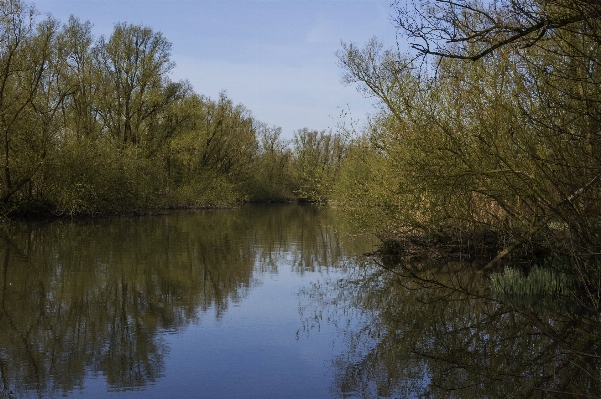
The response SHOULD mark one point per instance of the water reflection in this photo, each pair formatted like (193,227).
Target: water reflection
(98,297)
(437,331)
(93,298)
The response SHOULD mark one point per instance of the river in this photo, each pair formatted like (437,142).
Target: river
(275,301)
(189,304)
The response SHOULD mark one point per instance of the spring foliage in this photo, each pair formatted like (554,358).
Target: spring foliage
(492,125)
(94,125)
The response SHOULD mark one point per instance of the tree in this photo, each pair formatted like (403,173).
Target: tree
(211,160)
(317,157)
(272,177)
(32,91)
(135,89)
(471,29)
(80,113)
(519,155)
(553,47)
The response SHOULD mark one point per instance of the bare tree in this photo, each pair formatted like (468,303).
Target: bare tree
(471,29)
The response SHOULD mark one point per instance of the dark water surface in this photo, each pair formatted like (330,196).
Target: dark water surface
(186,305)
(277,301)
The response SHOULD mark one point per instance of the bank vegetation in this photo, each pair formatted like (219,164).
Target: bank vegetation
(95,125)
(488,134)
(486,140)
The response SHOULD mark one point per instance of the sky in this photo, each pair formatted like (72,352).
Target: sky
(276,57)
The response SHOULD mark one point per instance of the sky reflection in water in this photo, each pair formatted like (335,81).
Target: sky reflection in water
(193,304)
(268,301)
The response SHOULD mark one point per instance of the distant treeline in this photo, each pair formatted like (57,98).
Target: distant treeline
(94,125)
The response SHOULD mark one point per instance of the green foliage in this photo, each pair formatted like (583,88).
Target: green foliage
(207,189)
(539,281)
(517,155)
(32,91)
(365,186)
(92,126)
(317,159)
(212,157)
(83,180)
(271,178)
(134,89)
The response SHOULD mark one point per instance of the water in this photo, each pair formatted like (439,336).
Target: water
(274,301)
(187,305)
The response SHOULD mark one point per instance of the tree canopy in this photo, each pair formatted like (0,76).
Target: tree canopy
(96,125)
(491,125)
(471,29)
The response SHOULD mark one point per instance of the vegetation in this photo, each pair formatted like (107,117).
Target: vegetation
(485,150)
(432,330)
(95,125)
(489,131)
(487,136)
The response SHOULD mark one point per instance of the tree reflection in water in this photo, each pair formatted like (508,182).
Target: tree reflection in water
(92,298)
(438,331)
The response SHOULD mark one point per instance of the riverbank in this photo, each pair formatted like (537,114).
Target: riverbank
(40,214)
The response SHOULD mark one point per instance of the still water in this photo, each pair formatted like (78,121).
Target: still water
(278,301)
(191,304)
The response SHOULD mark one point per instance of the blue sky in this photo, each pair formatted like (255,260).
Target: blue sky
(276,57)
